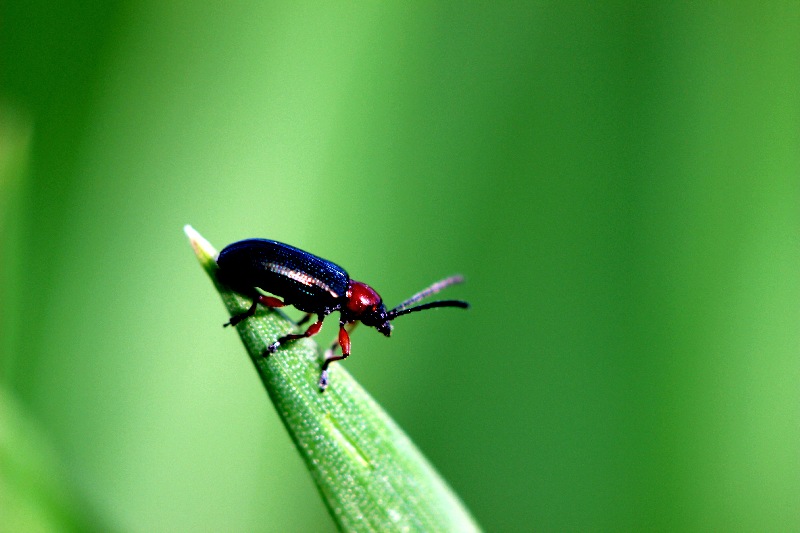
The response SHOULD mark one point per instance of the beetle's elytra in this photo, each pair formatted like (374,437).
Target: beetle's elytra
(315,286)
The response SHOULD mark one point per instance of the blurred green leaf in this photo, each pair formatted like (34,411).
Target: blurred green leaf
(34,495)
(15,140)
(370,475)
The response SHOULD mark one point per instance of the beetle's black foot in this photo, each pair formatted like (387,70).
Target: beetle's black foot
(272,348)
(235,319)
(323,381)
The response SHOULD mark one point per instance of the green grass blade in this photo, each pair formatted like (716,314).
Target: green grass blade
(370,475)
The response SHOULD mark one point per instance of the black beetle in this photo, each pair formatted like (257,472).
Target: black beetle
(316,286)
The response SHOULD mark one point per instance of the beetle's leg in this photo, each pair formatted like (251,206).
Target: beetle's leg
(313,329)
(235,319)
(344,342)
(330,351)
(266,301)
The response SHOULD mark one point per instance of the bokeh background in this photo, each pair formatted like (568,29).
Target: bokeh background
(619,182)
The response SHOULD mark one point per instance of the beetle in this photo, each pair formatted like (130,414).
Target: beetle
(315,286)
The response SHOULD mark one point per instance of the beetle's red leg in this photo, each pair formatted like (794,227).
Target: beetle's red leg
(344,342)
(313,329)
(269,301)
(266,301)
(330,351)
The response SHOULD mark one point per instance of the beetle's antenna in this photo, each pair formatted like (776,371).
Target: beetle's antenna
(404,309)
(433,289)
(394,313)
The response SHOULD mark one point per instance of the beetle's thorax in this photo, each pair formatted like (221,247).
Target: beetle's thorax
(366,305)
(361,299)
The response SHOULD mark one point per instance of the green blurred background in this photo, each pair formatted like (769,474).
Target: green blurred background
(619,183)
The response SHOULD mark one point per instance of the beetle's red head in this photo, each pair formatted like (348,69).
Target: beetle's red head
(366,305)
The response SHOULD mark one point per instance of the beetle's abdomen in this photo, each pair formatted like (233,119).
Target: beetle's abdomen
(308,282)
